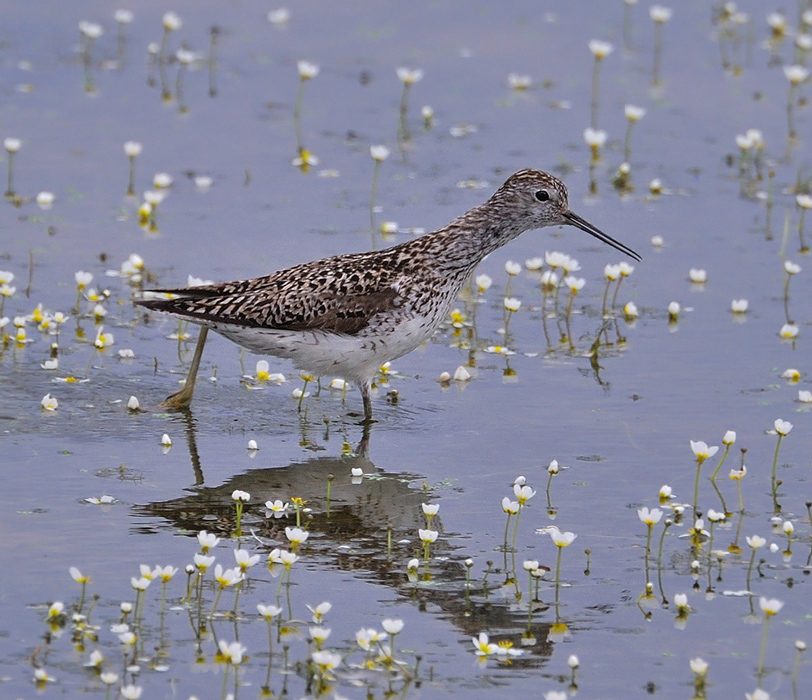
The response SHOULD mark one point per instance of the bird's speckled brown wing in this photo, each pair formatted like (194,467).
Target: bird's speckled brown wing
(342,297)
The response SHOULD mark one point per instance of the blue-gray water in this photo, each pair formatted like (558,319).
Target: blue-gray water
(619,433)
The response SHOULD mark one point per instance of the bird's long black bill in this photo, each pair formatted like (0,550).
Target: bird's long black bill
(584,225)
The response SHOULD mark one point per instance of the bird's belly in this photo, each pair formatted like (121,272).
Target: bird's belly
(356,357)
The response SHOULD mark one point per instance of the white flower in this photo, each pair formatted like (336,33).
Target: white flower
(483,646)
(171,22)
(166,441)
(510,507)
(701,449)
(804,42)
(697,275)
(392,626)
(595,138)
(782,427)
(796,74)
(109,677)
(45,200)
(611,272)
(207,540)
(203,562)
(307,70)
(240,496)
(279,16)
(483,283)
(739,306)
(427,536)
(132,148)
(186,57)
(666,491)
(379,153)
(512,268)
(245,560)
(649,517)
(296,535)
(791,374)
(123,16)
(788,331)
(277,508)
(576,284)
(633,113)
(409,76)
(430,508)
(600,49)
(233,652)
(320,634)
(553,467)
(12,145)
(203,182)
(673,309)
(757,694)
(791,267)
(461,374)
(559,694)
(49,403)
(756,542)
(660,14)
(561,539)
(788,527)
(770,606)
(657,241)
(534,264)
(131,692)
(268,611)
(90,29)
(519,82)
(572,661)
(132,404)
(83,279)
(804,201)
(699,666)
(326,660)
(523,493)
(681,600)
(804,396)
(161,181)
(630,310)
(512,304)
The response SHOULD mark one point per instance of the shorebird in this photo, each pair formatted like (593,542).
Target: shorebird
(347,315)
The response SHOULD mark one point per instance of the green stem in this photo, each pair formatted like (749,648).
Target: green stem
(750,568)
(721,462)
(775,463)
(557,576)
(699,461)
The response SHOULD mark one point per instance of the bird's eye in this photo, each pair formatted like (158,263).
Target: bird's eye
(542,195)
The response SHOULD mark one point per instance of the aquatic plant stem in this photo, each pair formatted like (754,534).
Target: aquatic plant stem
(721,462)
(763,651)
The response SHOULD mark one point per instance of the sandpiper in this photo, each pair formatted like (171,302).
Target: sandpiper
(347,315)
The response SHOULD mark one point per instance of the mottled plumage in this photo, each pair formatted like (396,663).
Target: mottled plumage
(349,314)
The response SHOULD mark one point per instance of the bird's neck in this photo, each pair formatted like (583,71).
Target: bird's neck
(467,240)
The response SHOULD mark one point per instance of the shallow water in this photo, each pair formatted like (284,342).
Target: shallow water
(619,432)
